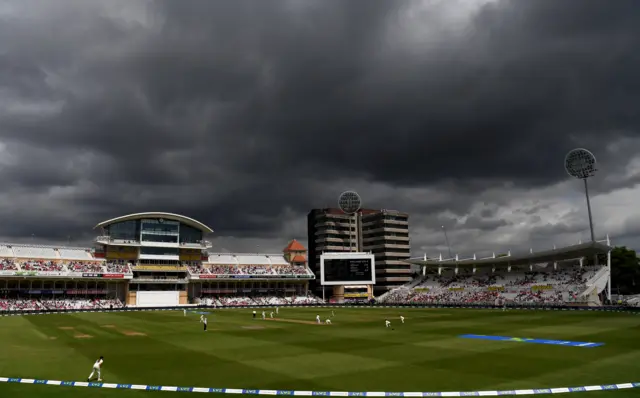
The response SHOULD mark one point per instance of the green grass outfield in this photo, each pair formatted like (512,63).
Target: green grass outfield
(356,353)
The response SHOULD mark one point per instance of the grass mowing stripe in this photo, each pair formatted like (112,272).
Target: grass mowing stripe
(350,355)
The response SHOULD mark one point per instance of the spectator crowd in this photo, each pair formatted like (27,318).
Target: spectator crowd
(19,304)
(250,270)
(62,266)
(542,286)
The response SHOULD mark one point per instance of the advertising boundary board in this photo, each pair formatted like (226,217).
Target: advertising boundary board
(240,391)
(619,309)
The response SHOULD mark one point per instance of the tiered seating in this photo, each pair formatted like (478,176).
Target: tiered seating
(42,266)
(43,252)
(291,270)
(254,270)
(8,265)
(197,270)
(236,301)
(118,268)
(79,266)
(252,264)
(561,285)
(20,305)
(270,300)
(62,303)
(305,300)
(80,304)
(232,301)
(62,266)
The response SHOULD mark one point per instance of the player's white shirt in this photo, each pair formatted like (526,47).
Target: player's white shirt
(98,364)
(387,323)
(204,321)
(328,321)
(318,318)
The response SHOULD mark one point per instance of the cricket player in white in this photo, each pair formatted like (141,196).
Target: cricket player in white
(277,311)
(185,312)
(201,318)
(332,314)
(264,315)
(205,324)
(387,323)
(271,314)
(401,319)
(328,321)
(318,318)
(96,369)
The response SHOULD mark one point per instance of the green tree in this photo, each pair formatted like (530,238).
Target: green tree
(625,271)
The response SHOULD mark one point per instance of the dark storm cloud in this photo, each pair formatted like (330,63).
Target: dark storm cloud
(238,112)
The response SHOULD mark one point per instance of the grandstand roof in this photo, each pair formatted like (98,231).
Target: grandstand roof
(246,259)
(560,254)
(169,216)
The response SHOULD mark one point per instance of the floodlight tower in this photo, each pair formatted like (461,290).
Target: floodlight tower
(581,164)
(446,239)
(349,202)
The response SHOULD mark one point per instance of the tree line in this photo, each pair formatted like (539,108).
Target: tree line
(625,271)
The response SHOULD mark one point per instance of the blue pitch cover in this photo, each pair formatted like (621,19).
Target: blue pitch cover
(533,341)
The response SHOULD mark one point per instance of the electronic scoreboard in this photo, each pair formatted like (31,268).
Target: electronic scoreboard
(347,269)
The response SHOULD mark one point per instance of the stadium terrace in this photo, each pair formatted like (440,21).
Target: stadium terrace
(147,260)
(573,275)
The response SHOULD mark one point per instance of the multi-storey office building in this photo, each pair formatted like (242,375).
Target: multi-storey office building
(385,233)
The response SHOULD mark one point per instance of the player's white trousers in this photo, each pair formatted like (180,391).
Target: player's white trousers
(95,370)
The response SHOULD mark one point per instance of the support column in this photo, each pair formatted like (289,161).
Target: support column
(338,294)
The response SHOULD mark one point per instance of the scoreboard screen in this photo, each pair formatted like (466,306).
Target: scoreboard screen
(348,269)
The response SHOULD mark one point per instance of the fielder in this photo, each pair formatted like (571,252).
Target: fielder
(205,324)
(264,315)
(328,321)
(401,319)
(201,318)
(277,311)
(271,314)
(318,319)
(185,312)
(387,323)
(96,369)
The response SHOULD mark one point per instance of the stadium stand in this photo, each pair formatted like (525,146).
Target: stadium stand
(248,264)
(235,301)
(565,281)
(63,303)
(8,265)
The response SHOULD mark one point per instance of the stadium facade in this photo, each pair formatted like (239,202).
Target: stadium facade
(151,259)
(384,233)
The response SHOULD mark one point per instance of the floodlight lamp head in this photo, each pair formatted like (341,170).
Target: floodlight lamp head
(580,163)
(349,202)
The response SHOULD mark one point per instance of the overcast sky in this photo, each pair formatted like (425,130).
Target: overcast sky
(246,114)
